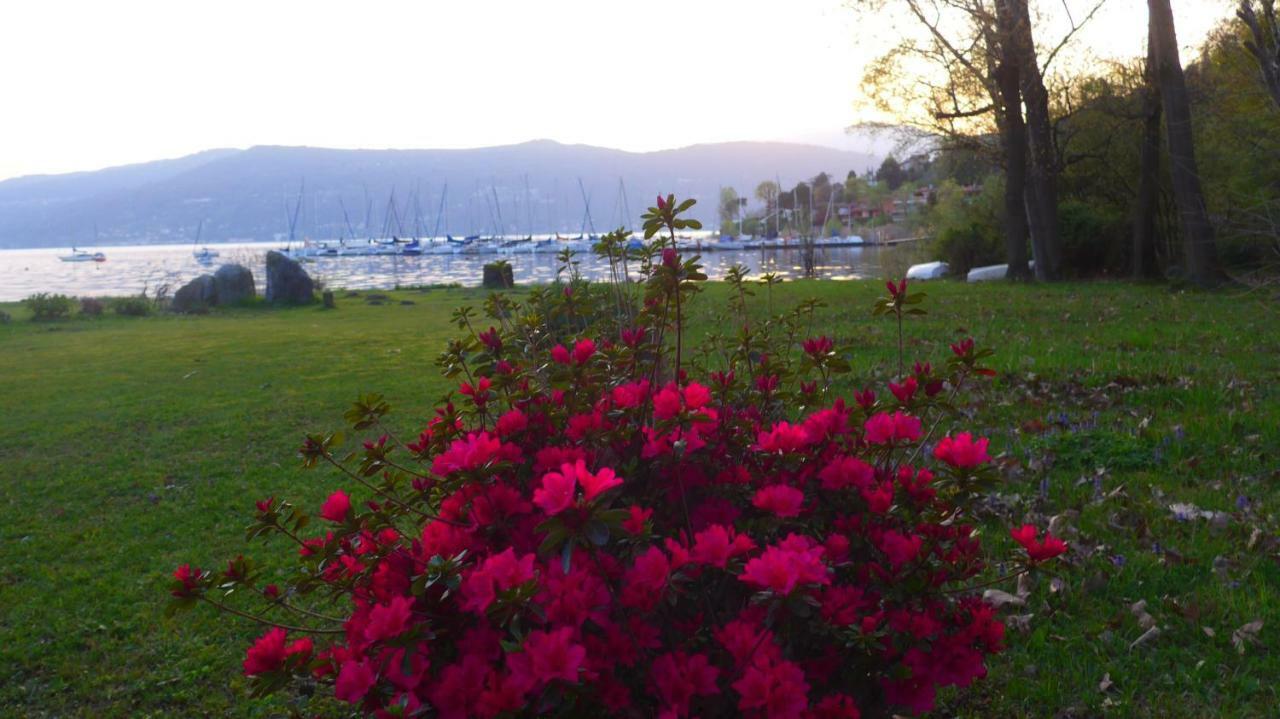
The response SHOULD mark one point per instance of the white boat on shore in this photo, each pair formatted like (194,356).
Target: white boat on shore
(991,273)
(928,271)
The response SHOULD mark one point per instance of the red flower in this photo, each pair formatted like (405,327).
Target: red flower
(511,422)
(897,291)
(492,340)
(264,505)
(905,391)
(336,507)
(266,654)
(583,351)
(1039,551)
(670,258)
(818,346)
(634,523)
(777,689)
(885,428)
(716,545)
(354,681)
(678,677)
(962,451)
(662,204)
(553,655)
(783,437)
(497,573)
(631,394)
(387,621)
(479,393)
(556,493)
(464,455)
(844,472)
(780,499)
(645,582)
(559,354)
(190,579)
(900,549)
(782,570)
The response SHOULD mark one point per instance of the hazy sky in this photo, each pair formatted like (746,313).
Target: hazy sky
(90,83)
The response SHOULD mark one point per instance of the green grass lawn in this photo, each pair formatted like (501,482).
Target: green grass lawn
(128,446)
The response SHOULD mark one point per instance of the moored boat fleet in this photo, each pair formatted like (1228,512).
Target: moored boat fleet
(477,245)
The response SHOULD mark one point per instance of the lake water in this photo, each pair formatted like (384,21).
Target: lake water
(131,269)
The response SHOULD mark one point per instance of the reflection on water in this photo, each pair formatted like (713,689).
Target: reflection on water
(130,270)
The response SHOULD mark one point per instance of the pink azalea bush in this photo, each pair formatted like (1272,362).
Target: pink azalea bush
(601,522)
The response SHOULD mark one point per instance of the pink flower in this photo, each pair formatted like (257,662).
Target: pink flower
(387,621)
(553,655)
(464,455)
(885,428)
(678,677)
(354,681)
(583,351)
(511,422)
(644,584)
(556,493)
(900,549)
(1038,551)
(637,516)
(631,394)
(905,391)
(336,507)
(962,451)
(818,346)
(782,570)
(778,690)
(497,573)
(266,654)
(834,706)
(593,485)
(843,472)
(557,490)
(666,403)
(716,545)
(783,437)
(559,354)
(779,499)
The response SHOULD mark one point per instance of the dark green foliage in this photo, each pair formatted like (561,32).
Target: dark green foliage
(45,306)
(1095,239)
(91,306)
(132,306)
(969,246)
(498,276)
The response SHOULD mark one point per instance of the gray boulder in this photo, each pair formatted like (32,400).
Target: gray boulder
(232,284)
(286,280)
(195,296)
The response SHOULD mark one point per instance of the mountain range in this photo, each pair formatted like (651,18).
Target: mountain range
(257,193)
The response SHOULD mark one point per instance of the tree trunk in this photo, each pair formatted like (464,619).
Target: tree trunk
(1145,207)
(1198,243)
(1042,195)
(1013,138)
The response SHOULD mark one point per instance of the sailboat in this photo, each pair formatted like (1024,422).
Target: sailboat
(204,255)
(83,256)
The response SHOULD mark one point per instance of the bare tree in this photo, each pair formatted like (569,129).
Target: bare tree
(1199,247)
(1265,43)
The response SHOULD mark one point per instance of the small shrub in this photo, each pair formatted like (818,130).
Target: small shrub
(91,306)
(45,306)
(586,530)
(132,306)
(5,318)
